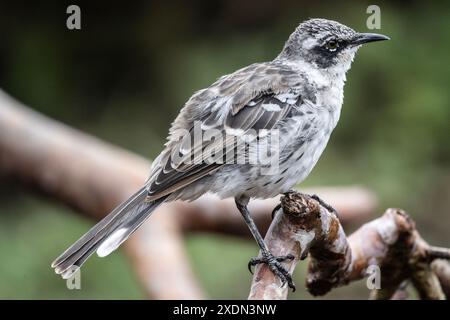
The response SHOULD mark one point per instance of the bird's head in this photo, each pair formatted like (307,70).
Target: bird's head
(326,44)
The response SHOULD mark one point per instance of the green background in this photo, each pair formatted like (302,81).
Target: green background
(125,75)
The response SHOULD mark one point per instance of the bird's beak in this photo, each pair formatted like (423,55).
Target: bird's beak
(362,38)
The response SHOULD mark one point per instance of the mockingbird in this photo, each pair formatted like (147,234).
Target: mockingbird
(296,98)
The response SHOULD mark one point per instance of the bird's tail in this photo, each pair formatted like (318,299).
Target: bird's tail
(108,234)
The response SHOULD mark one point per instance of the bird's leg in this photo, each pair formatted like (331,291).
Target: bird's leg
(267,257)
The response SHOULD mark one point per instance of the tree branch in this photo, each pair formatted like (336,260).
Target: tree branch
(92,177)
(355,204)
(442,270)
(390,244)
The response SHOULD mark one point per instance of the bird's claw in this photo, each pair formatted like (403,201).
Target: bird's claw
(289,192)
(313,196)
(277,207)
(325,205)
(274,264)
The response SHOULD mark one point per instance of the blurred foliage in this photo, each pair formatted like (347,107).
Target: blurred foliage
(126,74)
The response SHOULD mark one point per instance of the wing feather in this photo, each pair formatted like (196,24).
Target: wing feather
(257,97)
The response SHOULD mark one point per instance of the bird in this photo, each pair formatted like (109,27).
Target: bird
(270,122)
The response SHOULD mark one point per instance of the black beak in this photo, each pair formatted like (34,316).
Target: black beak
(362,38)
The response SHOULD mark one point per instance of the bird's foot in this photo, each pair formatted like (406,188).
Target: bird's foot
(277,207)
(313,196)
(289,192)
(274,264)
(325,205)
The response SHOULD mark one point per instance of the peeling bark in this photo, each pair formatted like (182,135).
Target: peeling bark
(391,243)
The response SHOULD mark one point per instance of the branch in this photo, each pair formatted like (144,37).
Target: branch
(442,270)
(390,243)
(92,177)
(355,204)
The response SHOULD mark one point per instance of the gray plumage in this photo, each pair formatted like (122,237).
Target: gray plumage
(299,94)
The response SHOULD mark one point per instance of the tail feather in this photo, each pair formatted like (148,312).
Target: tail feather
(120,234)
(138,197)
(107,234)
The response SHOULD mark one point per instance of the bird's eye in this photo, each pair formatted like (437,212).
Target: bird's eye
(332,45)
